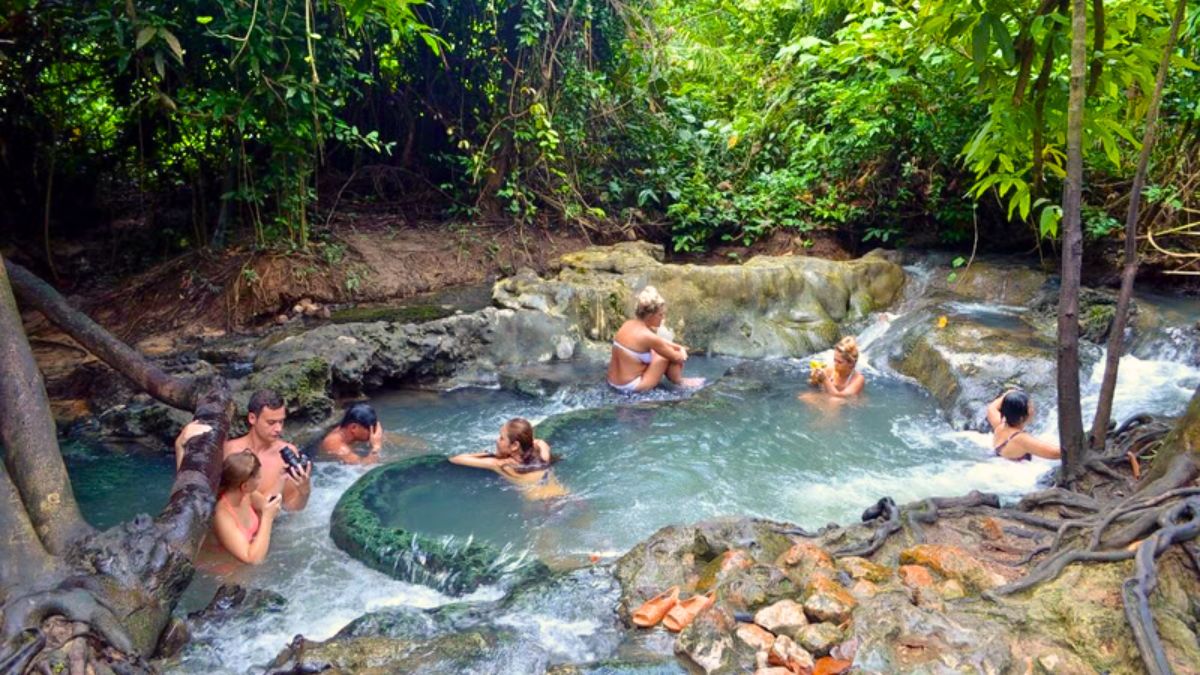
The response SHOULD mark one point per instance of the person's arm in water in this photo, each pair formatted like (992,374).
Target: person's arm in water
(1038,447)
(297,485)
(233,538)
(543,449)
(853,388)
(376,439)
(189,430)
(479,460)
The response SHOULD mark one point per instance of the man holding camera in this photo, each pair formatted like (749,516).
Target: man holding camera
(284,470)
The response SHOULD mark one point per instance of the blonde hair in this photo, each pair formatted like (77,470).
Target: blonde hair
(649,303)
(847,347)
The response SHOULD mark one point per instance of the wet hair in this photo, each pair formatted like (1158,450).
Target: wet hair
(521,431)
(237,469)
(361,414)
(649,303)
(847,347)
(264,398)
(1014,408)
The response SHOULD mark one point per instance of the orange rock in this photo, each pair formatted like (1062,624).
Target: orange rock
(915,576)
(826,600)
(755,636)
(953,562)
(830,666)
(991,529)
(774,670)
(804,553)
(785,652)
(785,616)
(861,568)
(736,559)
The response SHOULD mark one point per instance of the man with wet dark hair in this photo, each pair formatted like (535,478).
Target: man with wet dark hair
(359,424)
(265,414)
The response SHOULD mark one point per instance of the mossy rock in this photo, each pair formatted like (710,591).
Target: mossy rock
(403,314)
(304,386)
(450,566)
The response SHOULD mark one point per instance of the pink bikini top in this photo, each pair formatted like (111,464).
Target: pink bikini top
(248,531)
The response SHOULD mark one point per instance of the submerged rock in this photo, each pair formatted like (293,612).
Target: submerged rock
(769,306)
(450,566)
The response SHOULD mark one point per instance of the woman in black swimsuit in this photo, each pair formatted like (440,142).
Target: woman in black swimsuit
(1008,415)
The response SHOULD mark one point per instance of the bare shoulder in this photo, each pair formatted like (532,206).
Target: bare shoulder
(543,449)
(238,444)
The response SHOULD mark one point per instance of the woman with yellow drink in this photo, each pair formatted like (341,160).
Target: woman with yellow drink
(839,380)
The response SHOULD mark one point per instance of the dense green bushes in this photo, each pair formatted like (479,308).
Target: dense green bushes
(724,121)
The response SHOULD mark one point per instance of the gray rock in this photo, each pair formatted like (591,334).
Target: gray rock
(769,306)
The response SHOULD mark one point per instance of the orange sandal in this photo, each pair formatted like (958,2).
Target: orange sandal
(653,610)
(685,612)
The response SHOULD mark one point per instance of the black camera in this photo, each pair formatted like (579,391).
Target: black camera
(295,461)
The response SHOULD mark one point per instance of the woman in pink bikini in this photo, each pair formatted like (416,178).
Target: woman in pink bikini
(640,357)
(243,518)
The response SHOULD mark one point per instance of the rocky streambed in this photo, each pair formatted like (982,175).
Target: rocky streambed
(784,599)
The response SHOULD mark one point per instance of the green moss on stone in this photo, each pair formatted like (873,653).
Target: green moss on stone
(453,567)
(404,314)
(304,386)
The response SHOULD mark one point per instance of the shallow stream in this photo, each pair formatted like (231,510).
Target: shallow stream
(743,445)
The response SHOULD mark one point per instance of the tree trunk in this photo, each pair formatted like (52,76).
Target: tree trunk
(1070,416)
(100,603)
(1184,439)
(39,295)
(30,438)
(1116,336)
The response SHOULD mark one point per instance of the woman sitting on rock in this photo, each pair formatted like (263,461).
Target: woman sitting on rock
(640,357)
(1008,415)
(840,379)
(520,458)
(243,518)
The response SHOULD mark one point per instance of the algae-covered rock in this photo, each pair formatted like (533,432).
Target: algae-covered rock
(818,638)
(709,642)
(769,306)
(450,566)
(475,651)
(303,384)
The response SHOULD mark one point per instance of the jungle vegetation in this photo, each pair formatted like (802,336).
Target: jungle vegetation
(705,121)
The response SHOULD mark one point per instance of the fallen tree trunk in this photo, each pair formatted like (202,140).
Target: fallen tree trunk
(37,294)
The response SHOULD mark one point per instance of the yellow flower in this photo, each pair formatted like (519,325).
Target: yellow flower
(942,321)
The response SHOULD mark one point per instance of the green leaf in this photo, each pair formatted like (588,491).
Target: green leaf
(204,20)
(172,42)
(1048,221)
(1003,39)
(979,44)
(145,35)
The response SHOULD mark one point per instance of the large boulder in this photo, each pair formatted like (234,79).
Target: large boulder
(350,358)
(769,306)
(966,356)
(448,565)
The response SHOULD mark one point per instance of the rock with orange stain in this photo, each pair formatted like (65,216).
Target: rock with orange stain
(774,670)
(915,576)
(785,652)
(861,568)
(827,600)
(756,636)
(785,617)
(863,589)
(990,528)
(806,556)
(953,562)
(830,666)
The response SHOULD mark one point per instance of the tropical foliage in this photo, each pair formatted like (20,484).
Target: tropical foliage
(716,120)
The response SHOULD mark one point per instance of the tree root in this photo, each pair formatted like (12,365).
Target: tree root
(885,508)
(934,508)
(25,615)
(1179,523)
(1058,496)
